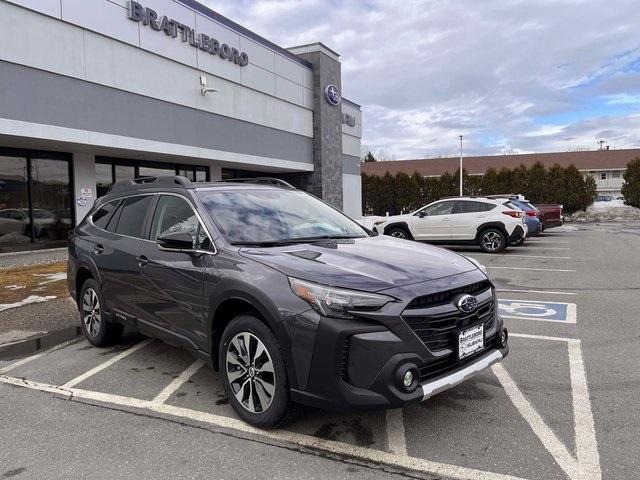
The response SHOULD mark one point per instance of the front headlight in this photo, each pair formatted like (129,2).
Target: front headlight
(336,302)
(480,266)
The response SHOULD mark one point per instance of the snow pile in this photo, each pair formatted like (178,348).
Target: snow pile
(613,211)
(368,222)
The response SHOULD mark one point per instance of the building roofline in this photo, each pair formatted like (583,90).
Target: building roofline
(213,15)
(351,103)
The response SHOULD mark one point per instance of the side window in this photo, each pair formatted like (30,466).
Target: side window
(131,219)
(102,216)
(442,208)
(174,214)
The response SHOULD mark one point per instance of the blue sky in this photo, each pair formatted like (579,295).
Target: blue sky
(510,75)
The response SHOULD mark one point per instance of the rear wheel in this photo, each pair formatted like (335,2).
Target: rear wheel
(98,331)
(492,240)
(254,373)
(399,232)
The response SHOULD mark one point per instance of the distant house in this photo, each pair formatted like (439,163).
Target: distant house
(605,166)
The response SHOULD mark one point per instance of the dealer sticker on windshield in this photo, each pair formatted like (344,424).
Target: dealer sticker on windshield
(470,341)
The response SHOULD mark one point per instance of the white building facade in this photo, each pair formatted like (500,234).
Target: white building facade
(95,91)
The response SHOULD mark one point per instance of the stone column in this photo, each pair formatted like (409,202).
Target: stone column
(326,179)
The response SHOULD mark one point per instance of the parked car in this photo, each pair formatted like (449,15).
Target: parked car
(604,198)
(290,299)
(460,220)
(534,224)
(551,215)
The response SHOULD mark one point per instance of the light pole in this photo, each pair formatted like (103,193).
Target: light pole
(460,136)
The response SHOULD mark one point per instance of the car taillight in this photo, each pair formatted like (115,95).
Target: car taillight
(513,213)
(532,213)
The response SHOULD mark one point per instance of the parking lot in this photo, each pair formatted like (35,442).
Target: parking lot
(564,404)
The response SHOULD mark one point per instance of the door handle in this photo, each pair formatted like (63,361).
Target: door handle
(142,260)
(98,249)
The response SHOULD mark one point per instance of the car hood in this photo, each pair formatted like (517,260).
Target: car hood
(370,264)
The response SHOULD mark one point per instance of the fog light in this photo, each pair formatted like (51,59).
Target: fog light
(504,336)
(407,379)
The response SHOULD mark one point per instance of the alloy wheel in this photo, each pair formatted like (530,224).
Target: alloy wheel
(250,372)
(492,241)
(91,315)
(398,234)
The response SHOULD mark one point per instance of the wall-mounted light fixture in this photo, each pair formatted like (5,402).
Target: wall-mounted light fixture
(203,84)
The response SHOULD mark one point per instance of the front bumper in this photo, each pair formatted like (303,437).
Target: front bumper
(358,364)
(519,232)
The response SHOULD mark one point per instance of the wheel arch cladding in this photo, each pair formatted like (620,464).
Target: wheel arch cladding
(403,225)
(229,308)
(83,274)
(499,225)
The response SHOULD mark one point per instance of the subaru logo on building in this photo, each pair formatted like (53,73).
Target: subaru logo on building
(332,94)
(467,303)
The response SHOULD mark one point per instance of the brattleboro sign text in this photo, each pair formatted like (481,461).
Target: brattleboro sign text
(173,28)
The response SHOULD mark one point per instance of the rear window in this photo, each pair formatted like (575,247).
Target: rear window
(102,216)
(473,207)
(134,211)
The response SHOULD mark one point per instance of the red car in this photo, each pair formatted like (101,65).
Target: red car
(551,215)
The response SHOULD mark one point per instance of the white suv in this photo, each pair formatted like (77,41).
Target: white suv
(488,222)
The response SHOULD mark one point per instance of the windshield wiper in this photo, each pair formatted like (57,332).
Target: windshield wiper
(292,241)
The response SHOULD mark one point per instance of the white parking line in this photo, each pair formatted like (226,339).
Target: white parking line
(22,361)
(396,441)
(363,454)
(106,364)
(546,248)
(517,290)
(531,269)
(586,464)
(164,395)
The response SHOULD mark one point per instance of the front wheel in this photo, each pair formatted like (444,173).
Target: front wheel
(399,232)
(254,374)
(492,240)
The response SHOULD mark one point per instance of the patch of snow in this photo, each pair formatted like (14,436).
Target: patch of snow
(51,277)
(368,221)
(14,287)
(26,301)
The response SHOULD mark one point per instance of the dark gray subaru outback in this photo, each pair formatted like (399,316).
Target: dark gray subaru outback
(290,299)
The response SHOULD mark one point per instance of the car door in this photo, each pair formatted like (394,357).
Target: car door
(433,222)
(114,252)
(467,216)
(170,290)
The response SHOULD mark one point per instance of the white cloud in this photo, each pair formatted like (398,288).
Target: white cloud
(496,71)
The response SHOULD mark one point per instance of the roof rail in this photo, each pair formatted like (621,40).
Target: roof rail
(262,181)
(159,181)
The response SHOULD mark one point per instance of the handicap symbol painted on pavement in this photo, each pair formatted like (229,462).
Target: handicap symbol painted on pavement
(536,310)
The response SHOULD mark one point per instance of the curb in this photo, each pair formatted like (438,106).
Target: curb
(31,345)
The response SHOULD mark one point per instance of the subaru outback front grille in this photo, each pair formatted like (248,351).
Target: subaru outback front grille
(440,331)
(442,298)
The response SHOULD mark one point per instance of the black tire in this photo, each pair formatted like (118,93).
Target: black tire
(98,331)
(518,242)
(399,232)
(492,240)
(247,386)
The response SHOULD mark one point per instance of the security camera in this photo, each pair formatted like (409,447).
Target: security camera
(204,90)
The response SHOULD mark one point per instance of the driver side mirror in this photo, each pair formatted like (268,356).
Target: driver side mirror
(175,241)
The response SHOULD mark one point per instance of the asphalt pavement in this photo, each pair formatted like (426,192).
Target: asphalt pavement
(563,405)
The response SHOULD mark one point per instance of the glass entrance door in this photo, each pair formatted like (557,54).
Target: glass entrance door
(35,199)
(15,225)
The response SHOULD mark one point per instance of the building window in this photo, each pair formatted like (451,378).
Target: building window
(111,170)
(603,175)
(36,204)
(616,174)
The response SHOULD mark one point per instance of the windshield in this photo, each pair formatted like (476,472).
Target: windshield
(276,216)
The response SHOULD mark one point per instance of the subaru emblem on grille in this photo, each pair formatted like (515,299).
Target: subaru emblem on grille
(467,303)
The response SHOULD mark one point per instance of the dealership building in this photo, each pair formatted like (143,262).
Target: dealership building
(95,91)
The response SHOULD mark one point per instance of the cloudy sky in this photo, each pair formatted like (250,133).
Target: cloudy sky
(510,75)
